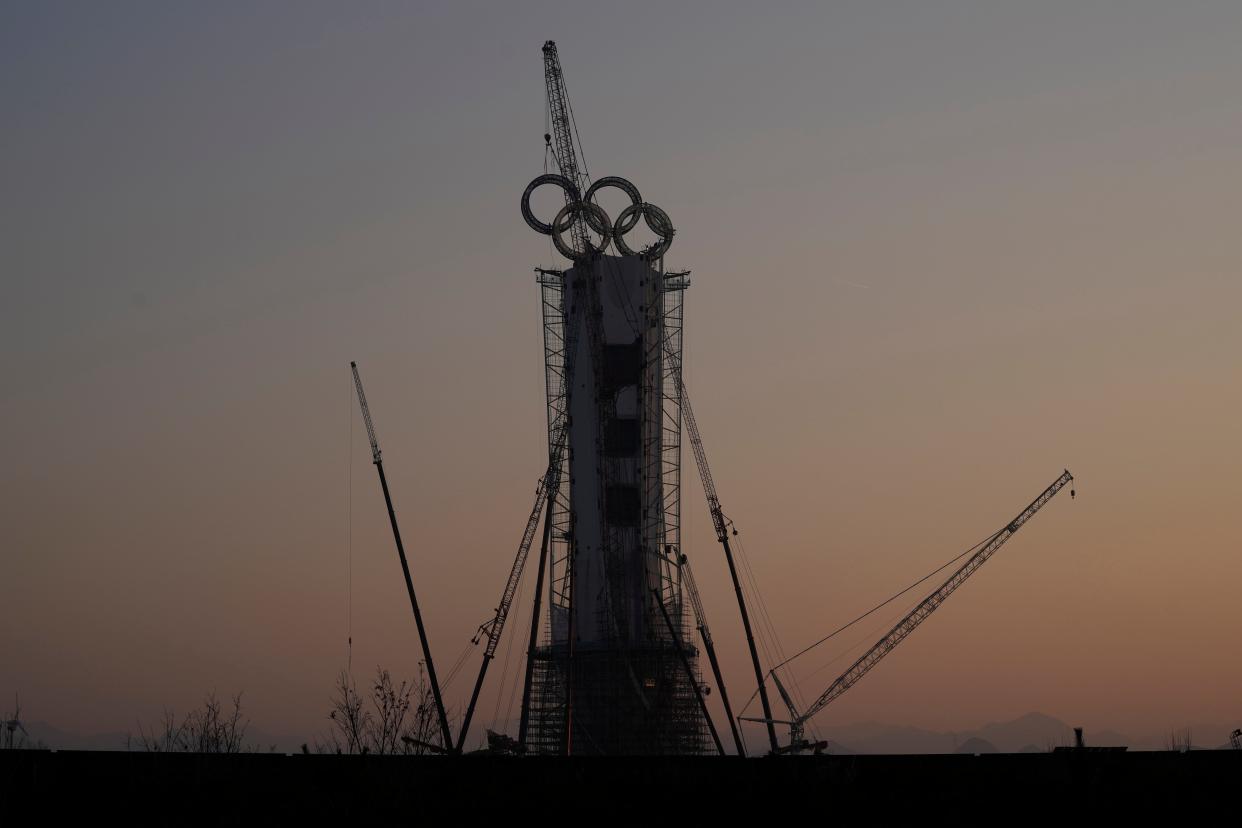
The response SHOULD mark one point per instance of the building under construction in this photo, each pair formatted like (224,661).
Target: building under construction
(610,673)
(613,671)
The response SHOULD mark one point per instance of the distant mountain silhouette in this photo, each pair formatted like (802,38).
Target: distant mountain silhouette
(1032,729)
(1031,733)
(874,737)
(976,745)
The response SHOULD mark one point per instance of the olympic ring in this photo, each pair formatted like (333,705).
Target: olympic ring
(585,210)
(621,184)
(657,221)
(571,192)
(594,217)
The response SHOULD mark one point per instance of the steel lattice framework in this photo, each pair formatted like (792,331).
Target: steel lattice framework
(663,717)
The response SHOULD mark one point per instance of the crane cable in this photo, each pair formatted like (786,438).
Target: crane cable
(457,665)
(864,638)
(547,151)
(873,610)
(889,600)
(505,662)
(765,621)
(586,171)
(511,697)
(349,533)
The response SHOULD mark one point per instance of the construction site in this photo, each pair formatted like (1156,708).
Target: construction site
(619,679)
(619,658)
(619,632)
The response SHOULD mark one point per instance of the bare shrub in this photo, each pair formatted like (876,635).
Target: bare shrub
(386,722)
(209,729)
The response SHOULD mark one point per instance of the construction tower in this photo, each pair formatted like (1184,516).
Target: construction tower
(611,669)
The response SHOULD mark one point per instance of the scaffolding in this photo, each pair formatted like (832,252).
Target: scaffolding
(555,361)
(628,701)
(624,695)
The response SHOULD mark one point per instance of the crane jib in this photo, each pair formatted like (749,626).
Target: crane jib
(928,605)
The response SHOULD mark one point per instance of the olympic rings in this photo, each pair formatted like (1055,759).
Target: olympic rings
(585,210)
(571,192)
(657,221)
(594,217)
(622,185)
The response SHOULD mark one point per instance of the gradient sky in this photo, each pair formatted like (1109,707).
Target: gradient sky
(940,251)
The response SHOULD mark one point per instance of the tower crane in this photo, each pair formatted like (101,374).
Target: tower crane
(563,129)
(917,616)
(721,524)
(563,135)
(405,567)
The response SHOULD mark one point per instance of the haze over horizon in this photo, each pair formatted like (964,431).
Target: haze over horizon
(940,252)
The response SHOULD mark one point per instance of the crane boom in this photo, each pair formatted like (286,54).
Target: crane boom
(675,638)
(722,535)
(705,471)
(405,566)
(494,627)
(700,617)
(562,125)
(561,117)
(926,607)
(366,415)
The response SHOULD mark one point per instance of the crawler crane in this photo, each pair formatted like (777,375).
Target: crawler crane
(721,525)
(377,459)
(907,625)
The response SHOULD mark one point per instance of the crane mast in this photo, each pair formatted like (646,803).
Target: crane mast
(919,614)
(722,535)
(405,567)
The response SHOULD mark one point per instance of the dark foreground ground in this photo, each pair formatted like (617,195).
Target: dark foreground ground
(278,789)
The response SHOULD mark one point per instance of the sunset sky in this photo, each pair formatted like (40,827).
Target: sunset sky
(939,252)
